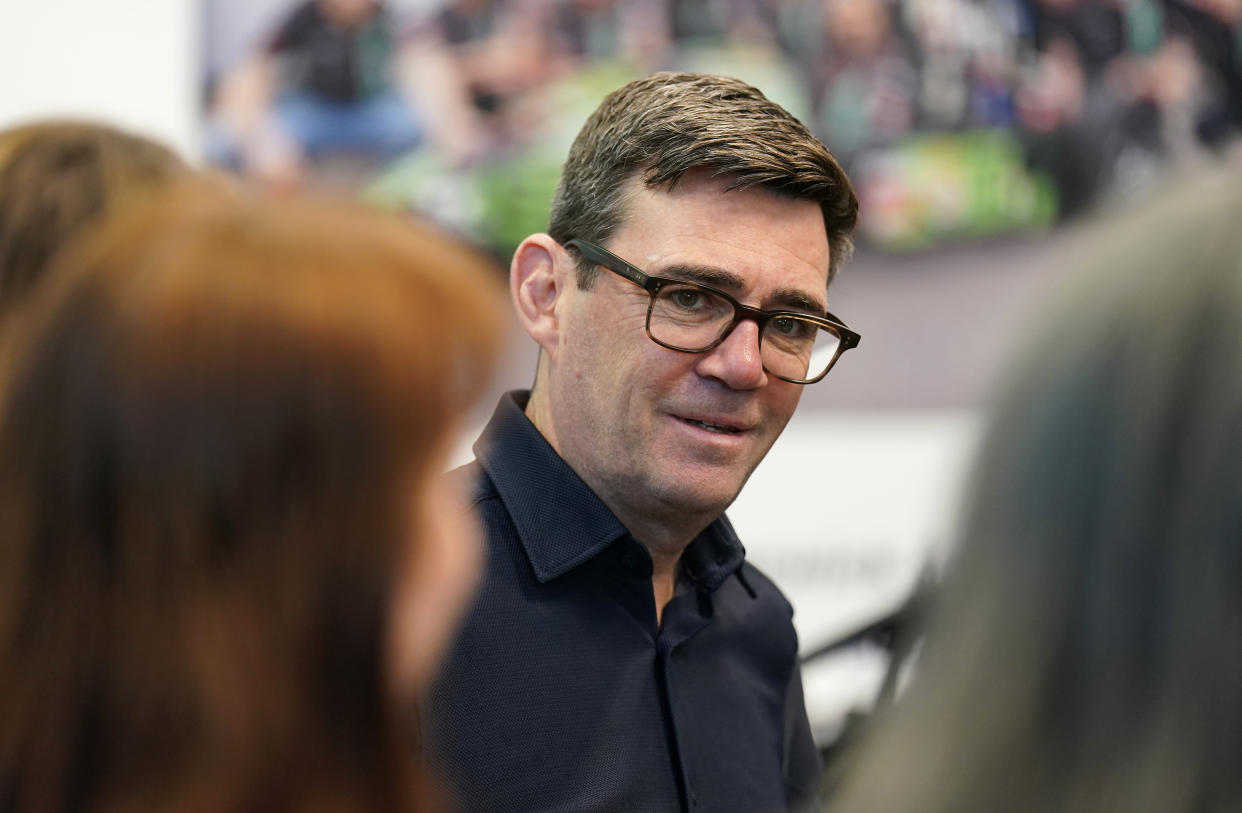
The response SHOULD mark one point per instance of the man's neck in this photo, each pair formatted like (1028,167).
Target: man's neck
(664,568)
(665,543)
(664,531)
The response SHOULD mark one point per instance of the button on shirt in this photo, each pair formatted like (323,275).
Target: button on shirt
(564,694)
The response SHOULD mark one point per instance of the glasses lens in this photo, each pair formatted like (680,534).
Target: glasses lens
(798,348)
(688,317)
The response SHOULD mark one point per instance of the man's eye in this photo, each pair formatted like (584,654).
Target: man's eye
(688,298)
(785,325)
(792,328)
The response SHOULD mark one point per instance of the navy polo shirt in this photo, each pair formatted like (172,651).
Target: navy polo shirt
(563,694)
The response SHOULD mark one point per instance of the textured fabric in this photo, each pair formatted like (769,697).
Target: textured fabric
(562,694)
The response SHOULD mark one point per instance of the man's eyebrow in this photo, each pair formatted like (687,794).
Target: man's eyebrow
(795,300)
(727,281)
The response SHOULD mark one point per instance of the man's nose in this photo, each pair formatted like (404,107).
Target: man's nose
(736,361)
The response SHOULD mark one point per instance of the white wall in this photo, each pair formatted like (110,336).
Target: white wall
(844,514)
(133,63)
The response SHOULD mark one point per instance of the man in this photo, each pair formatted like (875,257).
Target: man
(622,655)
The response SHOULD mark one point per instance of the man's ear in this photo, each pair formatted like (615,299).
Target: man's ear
(539,278)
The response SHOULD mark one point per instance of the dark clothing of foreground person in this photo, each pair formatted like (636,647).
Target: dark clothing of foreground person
(1085,651)
(565,671)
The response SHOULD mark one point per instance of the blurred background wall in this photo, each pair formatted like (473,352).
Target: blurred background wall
(132,62)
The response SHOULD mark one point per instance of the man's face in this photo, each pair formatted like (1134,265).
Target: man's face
(654,431)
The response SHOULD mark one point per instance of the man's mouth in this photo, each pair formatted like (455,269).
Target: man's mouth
(712,427)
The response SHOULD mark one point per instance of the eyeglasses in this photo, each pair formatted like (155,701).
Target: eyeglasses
(693,318)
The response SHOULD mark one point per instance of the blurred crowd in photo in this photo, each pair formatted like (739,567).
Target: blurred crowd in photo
(955,118)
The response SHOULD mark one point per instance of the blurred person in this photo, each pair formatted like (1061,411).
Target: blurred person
(1083,656)
(336,77)
(693,23)
(864,85)
(229,563)
(1213,29)
(623,654)
(966,61)
(1094,95)
(501,50)
(593,31)
(513,55)
(58,177)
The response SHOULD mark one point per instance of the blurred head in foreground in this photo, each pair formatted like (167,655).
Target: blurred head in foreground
(228,563)
(1087,653)
(56,178)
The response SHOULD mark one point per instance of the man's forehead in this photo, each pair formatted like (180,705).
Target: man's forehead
(703,196)
(711,232)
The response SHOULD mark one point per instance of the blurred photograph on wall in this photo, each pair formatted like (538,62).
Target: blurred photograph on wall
(957,119)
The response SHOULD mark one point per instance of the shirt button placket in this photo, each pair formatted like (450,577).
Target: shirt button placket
(664,655)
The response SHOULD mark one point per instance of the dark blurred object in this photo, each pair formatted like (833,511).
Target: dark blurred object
(1117,96)
(1082,654)
(899,634)
(1076,108)
(1214,30)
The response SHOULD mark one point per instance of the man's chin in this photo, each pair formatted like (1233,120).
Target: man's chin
(691,496)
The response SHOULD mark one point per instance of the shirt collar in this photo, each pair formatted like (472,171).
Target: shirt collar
(559,519)
(714,555)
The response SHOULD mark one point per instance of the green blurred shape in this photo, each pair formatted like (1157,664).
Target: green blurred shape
(928,189)
(502,198)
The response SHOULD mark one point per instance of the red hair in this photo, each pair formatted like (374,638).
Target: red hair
(212,418)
